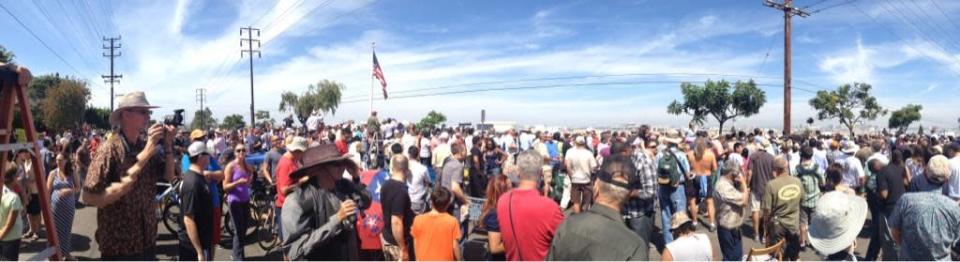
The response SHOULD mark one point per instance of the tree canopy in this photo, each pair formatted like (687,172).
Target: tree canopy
(263,118)
(5,55)
(65,104)
(203,119)
(849,104)
(901,119)
(97,117)
(324,96)
(720,100)
(232,122)
(431,120)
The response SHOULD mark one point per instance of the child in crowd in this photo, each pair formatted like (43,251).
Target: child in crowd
(436,234)
(11,226)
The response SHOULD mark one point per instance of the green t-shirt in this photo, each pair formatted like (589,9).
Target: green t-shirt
(782,197)
(10,202)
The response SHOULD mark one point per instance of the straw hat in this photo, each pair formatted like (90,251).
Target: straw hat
(129,101)
(678,220)
(836,222)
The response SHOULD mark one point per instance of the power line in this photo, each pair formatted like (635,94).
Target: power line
(908,44)
(38,39)
(927,18)
(935,4)
(46,17)
(900,15)
(513,81)
(281,15)
(535,87)
(315,8)
(832,6)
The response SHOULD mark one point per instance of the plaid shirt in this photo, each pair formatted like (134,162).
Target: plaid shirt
(645,180)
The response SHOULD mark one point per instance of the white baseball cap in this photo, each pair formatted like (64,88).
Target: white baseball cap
(197,148)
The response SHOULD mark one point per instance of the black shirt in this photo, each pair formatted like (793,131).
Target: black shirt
(196,200)
(891,179)
(396,202)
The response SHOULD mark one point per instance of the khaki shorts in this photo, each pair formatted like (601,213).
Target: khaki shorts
(391,252)
(754,203)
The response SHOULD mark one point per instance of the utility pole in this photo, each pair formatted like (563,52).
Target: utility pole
(202,97)
(112,78)
(788,12)
(249,53)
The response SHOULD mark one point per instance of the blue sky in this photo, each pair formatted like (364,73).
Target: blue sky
(605,62)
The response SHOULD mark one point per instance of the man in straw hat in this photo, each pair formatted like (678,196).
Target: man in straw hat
(671,162)
(835,223)
(318,216)
(122,178)
(926,224)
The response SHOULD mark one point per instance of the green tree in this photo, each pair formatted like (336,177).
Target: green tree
(433,119)
(263,117)
(203,119)
(97,117)
(324,96)
(901,119)
(849,104)
(233,122)
(5,55)
(64,105)
(720,100)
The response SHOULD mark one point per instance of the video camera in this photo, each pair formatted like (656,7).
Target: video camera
(352,190)
(176,119)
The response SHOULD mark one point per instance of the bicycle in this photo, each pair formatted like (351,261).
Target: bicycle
(262,199)
(168,205)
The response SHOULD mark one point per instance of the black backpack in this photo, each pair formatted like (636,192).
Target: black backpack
(669,171)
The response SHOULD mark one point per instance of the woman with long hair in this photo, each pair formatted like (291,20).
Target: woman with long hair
(703,164)
(492,158)
(497,186)
(236,183)
(64,185)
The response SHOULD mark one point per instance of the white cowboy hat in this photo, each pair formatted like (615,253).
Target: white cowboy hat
(129,101)
(836,222)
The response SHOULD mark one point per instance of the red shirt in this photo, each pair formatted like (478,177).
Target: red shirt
(342,146)
(285,167)
(534,219)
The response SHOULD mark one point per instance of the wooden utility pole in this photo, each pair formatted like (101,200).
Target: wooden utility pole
(249,53)
(788,12)
(112,78)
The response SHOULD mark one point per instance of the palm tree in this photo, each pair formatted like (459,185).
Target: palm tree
(5,55)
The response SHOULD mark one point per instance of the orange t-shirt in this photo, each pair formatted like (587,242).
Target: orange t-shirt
(704,166)
(434,235)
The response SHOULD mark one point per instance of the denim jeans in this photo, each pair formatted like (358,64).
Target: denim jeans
(643,226)
(731,245)
(239,214)
(672,200)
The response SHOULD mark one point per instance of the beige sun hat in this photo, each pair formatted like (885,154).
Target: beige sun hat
(129,101)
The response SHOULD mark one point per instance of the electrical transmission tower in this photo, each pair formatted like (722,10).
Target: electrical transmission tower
(788,12)
(201,98)
(250,51)
(114,53)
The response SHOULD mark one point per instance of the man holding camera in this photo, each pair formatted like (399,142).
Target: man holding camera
(318,216)
(122,177)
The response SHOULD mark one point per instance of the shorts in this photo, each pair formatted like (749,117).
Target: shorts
(805,214)
(754,202)
(698,188)
(791,247)
(391,252)
(33,207)
(581,194)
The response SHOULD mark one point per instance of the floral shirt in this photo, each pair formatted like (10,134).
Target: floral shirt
(129,225)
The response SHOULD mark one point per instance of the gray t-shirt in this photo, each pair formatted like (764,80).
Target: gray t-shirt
(452,173)
(761,165)
(271,158)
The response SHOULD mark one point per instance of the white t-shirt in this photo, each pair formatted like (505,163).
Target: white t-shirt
(582,163)
(407,141)
(853,172)
(417,185)
(694,247)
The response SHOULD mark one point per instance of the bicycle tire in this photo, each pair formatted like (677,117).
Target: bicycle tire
(267,237)
(171,216)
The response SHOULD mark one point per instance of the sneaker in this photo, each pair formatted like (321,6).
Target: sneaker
(711,227)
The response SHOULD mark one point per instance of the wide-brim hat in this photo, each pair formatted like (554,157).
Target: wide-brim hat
(671,136)
(319,155)
(679,219)
(129,101)
(836,222)
(850,148)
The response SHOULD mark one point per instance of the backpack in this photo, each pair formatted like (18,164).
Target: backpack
(669,171)
(810,181)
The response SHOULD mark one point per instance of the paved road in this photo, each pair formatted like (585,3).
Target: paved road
(85,248)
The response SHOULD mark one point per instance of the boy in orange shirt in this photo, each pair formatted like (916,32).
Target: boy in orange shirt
(436,234)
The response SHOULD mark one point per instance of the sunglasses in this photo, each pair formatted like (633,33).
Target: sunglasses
(142,112)
(241,150)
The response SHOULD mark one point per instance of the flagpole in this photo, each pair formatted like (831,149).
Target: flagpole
(373,45)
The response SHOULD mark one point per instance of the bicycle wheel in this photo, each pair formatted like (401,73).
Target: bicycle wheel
(171,217)
(267,236)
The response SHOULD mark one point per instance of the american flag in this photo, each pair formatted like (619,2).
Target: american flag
(378,73)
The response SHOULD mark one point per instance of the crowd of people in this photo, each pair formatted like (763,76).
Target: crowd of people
(389,190)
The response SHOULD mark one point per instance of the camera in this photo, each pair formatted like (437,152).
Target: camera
(357,192)
(176,119)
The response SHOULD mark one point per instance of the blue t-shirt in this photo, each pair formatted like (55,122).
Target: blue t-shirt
(490,222)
